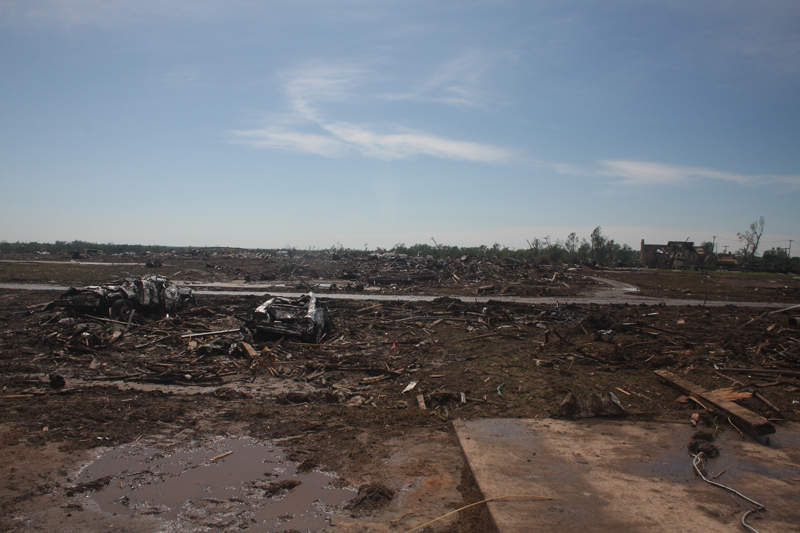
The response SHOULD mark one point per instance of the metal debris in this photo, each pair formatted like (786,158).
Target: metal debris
(305,318)
(153,294)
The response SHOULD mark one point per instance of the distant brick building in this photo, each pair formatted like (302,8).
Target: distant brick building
(675,254)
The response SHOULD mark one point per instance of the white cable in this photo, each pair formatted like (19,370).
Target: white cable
(697,460)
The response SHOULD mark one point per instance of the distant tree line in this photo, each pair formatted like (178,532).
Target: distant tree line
(573,249)
(778,259)
(63,247)
(544,250)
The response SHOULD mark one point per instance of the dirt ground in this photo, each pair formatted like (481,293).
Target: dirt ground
(714,286)
(339,406)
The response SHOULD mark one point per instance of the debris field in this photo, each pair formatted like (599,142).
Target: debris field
(351,386)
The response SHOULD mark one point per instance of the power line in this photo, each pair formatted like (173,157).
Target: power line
(779,240)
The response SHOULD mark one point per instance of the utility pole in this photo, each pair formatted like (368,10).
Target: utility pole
(790,248)
(714,245)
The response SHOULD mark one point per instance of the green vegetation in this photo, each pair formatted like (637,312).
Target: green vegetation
(63,247)
(572,250)
(777,259)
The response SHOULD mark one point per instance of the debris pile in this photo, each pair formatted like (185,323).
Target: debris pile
(150,294)
(378,349)
(304,318)
(401,274)
(590,405)
(703,442)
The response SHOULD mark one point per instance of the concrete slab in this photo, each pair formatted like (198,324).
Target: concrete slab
(628,476)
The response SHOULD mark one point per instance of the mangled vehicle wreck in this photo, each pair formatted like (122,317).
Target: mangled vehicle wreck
(305,318)
(149,294)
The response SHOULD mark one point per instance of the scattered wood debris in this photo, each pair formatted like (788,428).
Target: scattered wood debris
(744,417)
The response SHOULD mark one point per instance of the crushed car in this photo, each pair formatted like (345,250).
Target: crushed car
(149,294)
(305,318)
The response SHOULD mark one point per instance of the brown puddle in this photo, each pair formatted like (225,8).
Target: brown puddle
(252,489)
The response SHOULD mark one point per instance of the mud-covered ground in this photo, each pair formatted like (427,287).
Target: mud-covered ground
(347,405)
(713,285)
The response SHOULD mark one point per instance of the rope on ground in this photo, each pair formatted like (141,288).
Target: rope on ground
(520,497)
(697,463)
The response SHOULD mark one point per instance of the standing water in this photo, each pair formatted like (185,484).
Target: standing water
(239,483)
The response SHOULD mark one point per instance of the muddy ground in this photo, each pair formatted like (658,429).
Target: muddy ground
(339,406)
(713,286)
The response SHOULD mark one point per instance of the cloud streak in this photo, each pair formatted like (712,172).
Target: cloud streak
(292,141)
(409,144)
(643,173)
(343,139)
(458,81)
(316,91)
(306,130)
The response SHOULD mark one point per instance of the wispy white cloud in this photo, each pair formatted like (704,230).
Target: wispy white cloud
(650,173)
(345,139)
(457,81)
(316,91)
(305,129)
(292,141)
(404,145)
(315,85)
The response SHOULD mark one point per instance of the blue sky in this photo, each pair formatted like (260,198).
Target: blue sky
(312,123)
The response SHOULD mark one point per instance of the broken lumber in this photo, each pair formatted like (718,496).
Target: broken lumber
(220,456)
(764,399)
(730,333)
(732,394)
(249,350)
(421,402)
(785,309)
(478,337)
(744,417)
(207,333)
(768,371)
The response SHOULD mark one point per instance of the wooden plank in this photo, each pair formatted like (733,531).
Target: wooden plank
(744,417)
(251,352)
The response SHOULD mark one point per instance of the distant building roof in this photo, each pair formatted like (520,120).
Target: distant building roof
(727,259)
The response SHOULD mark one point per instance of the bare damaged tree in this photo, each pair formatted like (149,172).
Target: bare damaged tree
(571,244)
(536,246)
(751,238)
(599,242)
